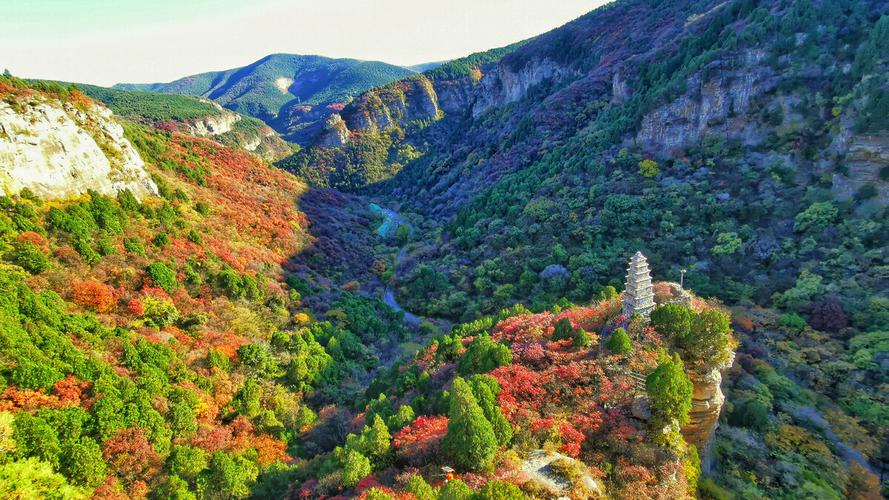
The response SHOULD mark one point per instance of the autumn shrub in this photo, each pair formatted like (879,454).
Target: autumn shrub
(419,443)
(570,470)
(94,295)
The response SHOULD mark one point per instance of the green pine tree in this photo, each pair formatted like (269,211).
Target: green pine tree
(470,441)
(485,389)
(563,329)
(669,390)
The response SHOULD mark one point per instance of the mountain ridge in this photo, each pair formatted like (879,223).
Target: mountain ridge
(290,92)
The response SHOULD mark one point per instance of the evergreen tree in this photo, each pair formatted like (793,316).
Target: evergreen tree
(82,462)
(470,441)
(455,490)
(355,468)
(483,355)
(710,338)
(485,389)
(563,329)
(669,390)
(420,488)
(619,343)
(581,338)
(499,490)
(672,321)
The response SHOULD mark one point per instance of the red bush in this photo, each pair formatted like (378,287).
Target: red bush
(130,455)
(418,443)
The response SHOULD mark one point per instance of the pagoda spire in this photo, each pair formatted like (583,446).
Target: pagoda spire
(638,294)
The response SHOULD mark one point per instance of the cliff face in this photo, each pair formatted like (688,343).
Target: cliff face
(706,404)
(57,150)
(379,110)
(420,98)
(504,85)
(214,124)
(715,105)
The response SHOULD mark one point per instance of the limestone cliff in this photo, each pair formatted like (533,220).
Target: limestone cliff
(711,105)
(235,130)
(211,125)
(396,105)
(504,85)
(706,404)
(57,149)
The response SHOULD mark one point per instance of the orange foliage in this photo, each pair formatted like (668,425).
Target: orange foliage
(35,238)
(13,398)
(130,455)
(70,391)
(93,295)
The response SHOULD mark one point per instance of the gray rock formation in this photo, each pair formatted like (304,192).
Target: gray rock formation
(718,104)
(58,150)
(503,85)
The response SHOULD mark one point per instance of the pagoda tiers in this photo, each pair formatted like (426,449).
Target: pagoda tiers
(638,295)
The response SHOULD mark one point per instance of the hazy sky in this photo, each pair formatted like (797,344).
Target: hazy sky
(109,41)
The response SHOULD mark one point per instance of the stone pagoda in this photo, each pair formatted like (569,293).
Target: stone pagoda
(638,295)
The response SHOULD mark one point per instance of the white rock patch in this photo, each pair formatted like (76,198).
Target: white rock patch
(54,150)
(283,83)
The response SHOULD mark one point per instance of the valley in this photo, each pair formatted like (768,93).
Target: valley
(329,278)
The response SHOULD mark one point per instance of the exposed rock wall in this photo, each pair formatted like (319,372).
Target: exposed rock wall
(503,85)
(866,157)
(57,150)
(418,99)
(217,124)
(706,404)
(405,101)
(717,104)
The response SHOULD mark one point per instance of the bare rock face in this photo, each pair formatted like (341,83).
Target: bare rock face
(718,104)
(405,101)
(217,124)
(335,133)
(503,85)
(706,403)
(867,156)
(57,150)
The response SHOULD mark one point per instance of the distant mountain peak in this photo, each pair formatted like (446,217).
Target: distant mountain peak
(270,87)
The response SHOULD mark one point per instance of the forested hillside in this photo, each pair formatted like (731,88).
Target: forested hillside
(743,141)
(292,93)
(181,319)
(192,115)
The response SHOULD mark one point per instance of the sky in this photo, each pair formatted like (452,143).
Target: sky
(109,41)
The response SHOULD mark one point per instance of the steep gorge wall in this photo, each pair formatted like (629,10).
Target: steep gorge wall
(420,98)
(56,150)
(706,404)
